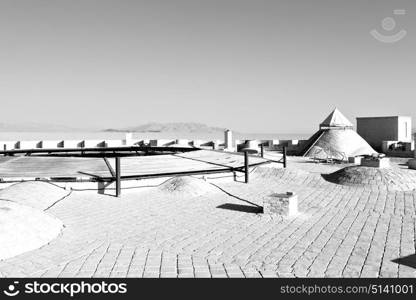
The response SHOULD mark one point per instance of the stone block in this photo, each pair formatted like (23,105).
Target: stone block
(204,144)
(281,204)
(93,143)
(128,140)
(412,164)
(161,142)
(381,162)
(273,143)
(182,143)
(386,145)
(7,145)
(217,144)
(113,143)
(251,146)
(197,143)
(355,160)
(27,144)
(72,143)
(409,146)
(48,144)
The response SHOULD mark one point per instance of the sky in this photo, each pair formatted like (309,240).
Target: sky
(252,66)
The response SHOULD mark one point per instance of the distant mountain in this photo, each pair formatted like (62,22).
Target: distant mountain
(35,127)
(170,127)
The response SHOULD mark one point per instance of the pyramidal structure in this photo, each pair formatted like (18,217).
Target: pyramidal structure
(336,139)
(336,119)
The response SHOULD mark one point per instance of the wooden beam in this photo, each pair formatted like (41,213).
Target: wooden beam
(100,150)
(110,168)
(284,157)
(117,177)
(246,166)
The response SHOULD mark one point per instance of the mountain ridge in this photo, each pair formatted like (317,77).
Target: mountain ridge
(36,127)
(169,127)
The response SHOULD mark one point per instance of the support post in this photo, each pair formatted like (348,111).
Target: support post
(246,166)
(118,176)
(262,150)
(284,157)
(110,168)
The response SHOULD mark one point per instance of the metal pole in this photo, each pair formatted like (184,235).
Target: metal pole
(262,150)
(284,157)
(246,168)
(118,181)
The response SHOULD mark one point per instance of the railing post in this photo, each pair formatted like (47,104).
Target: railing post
(246,166)
(118,177)
(284,157)
(262,150)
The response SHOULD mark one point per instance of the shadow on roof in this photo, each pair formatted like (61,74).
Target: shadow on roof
(241,208)
(409,261)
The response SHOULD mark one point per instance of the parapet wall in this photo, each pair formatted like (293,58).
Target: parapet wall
(291,145)
(398,149)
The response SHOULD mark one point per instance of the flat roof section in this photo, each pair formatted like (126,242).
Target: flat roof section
(386,117)
(132,167)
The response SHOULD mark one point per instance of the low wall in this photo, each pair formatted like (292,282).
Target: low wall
(161,142)
(48,144)
(404,154)
(292,145)
(398,149)
(71,144)
(114,143)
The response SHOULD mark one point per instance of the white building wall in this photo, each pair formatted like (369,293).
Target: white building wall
(405,129)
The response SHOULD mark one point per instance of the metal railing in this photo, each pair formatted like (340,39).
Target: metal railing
(100,152)
(118,152)
(283,161)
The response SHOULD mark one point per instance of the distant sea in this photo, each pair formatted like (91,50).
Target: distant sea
(100,135)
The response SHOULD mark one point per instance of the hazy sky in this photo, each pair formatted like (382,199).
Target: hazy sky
(254,66)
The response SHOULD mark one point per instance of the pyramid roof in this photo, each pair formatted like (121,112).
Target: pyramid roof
(337,139)
(336,119)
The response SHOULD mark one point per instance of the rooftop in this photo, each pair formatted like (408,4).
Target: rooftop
(383,117)
(161,228)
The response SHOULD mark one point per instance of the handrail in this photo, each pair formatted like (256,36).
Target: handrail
(99,150)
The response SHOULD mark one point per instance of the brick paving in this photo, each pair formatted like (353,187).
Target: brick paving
(342,231)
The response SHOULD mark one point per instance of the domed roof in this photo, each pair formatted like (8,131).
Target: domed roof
(336,139)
